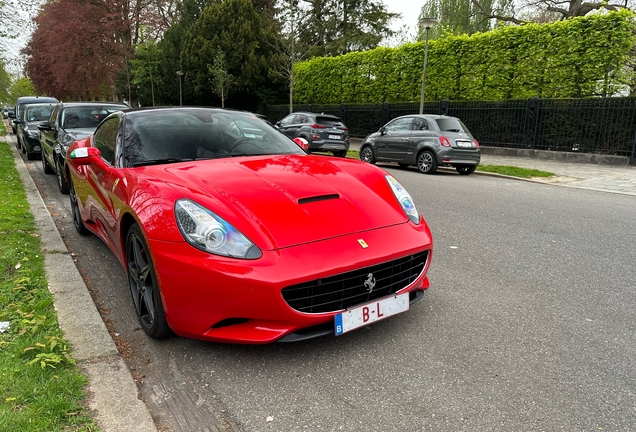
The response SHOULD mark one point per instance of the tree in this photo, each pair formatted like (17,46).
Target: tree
(145,69)
(5,84)
(245,38)
(463,16)
(222,78)
(335,27)
(21,87)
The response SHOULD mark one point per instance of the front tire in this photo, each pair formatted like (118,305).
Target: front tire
(61,178)
(366,155)
(77,218)
(143,285)
(426,162)
(45,166)
(466,169)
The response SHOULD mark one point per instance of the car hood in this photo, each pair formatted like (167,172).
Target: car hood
(290,199)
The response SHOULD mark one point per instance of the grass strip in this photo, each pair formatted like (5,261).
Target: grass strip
(514,171)
(41,388)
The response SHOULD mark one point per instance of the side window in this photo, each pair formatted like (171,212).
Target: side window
(106,139)
(401,124)
(287,120)
(420,124)
(300,118)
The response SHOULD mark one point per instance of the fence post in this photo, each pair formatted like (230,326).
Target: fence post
(443,107)
(385,113)
(343,112)
(632,160)
(533,105)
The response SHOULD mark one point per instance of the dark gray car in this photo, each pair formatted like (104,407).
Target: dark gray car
(69,122)
(323,132)
(426,141)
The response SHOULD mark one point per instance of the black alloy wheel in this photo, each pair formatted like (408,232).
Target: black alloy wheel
(61,179)
(426,162)
(466,169)
(340,153)
(366,155)
(45,166)
(77,218)
(143,285)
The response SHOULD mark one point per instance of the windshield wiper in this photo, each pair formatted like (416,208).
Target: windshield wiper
(159,161)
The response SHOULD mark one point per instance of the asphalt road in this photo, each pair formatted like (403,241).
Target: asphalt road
(529,325)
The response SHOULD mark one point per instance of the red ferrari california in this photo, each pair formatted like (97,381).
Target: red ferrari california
(230,232)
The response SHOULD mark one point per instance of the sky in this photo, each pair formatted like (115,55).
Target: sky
(410,10)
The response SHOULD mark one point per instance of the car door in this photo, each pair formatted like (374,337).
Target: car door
(394,141)
(104,179)
(47,138)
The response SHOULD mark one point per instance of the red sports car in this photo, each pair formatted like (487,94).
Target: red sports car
(230,232)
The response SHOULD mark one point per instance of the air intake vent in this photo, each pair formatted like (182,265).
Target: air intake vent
(318,198)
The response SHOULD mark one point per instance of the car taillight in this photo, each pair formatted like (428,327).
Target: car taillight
(346,129)
(476,143)
(444,141)
(318,126)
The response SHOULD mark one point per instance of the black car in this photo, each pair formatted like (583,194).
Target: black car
(28,135)
(426,141)
(323,132)
(22,101)
(70,122)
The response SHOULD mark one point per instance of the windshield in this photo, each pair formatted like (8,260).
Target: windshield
(88,117)
(180,134)
(38,113)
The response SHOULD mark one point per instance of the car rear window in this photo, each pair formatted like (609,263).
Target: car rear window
(328,121)
(450,125)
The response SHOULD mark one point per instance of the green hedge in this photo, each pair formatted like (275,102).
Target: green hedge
(580,57)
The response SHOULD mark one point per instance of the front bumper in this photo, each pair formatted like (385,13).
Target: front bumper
(32,144)
(227,300)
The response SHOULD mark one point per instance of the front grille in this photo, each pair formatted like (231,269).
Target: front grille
(348,289)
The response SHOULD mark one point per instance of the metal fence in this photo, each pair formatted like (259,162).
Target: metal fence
(603,126)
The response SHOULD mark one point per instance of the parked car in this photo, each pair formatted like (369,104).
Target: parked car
(323,132)
(426,141)
(23,100)
(6,112)
(241,237)
(28,135)
(69,122)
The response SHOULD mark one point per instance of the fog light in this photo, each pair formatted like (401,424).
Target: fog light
(36,148)
(446,160)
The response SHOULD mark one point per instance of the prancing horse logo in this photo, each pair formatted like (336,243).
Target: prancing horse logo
(370,282)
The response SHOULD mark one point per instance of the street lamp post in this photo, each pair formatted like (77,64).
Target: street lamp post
(113,90)
(180,73)
(427,23)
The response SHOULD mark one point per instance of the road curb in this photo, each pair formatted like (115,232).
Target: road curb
(113,397)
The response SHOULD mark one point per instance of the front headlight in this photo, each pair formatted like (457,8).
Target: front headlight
(404,199)
(206,231)
(32,133)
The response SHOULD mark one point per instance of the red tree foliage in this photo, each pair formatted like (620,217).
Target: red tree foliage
(77,47)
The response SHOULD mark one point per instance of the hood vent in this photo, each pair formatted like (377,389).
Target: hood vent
(318,198)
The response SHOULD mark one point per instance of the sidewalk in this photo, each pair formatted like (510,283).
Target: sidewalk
(604,178)
(112,393)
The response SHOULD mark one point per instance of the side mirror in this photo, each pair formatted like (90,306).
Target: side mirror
(302,143)
(16,121)
(86,156)
(45,126)
(382,130)
(277,124)
(11,115)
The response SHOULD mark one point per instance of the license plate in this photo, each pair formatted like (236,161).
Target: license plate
(464,144)
(334,137)
(363,315)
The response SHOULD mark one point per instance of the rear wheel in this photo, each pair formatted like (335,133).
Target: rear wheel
(341,153)
(61,179)
(426,162)
(77,218)
(366,154)
(143,285)
(466,169)
(45,166)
